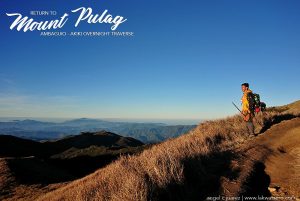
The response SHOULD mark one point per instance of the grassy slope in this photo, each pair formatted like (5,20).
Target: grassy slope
(15,184)
(190,167)
(26,171)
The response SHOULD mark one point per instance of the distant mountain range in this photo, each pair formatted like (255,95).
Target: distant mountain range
(40,130)
(87,151)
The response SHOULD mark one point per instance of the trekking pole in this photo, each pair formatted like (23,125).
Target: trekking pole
(238,109)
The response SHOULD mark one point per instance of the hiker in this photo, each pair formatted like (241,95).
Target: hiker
(247,108)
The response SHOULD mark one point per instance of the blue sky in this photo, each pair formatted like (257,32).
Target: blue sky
(186,60)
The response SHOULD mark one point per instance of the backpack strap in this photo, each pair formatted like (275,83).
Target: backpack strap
(250,98)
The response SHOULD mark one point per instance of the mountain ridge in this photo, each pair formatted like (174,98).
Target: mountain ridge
(29,147)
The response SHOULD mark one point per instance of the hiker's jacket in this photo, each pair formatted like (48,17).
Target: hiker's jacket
(245,102)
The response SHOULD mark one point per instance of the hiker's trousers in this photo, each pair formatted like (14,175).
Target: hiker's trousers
(250,127)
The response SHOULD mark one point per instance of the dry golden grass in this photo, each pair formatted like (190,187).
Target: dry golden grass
(6,178)
(163,170)
(149,175)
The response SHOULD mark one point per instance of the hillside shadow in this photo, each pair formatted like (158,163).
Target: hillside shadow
(37,171)
(83,165)
(276,120)
(258,182)
(47,170)
(203,177)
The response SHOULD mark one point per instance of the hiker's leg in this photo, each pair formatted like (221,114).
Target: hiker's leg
(250,127)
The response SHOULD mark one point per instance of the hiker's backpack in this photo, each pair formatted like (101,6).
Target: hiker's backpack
(263,106)
(256,99)
(254,102)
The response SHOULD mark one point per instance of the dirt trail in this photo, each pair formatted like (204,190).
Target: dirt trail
(283,165)
(269,163)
